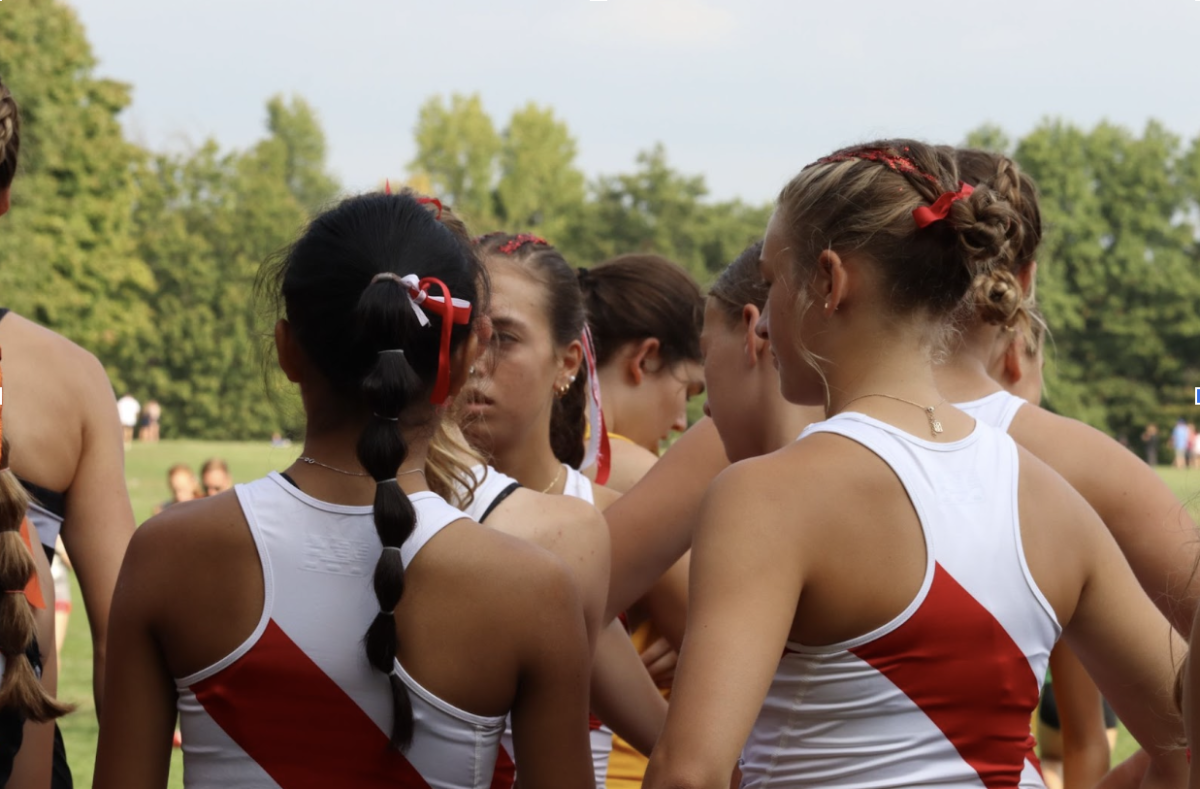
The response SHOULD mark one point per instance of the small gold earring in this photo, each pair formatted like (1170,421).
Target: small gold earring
(826,305)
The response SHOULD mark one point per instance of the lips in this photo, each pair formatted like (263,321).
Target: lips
(474,397)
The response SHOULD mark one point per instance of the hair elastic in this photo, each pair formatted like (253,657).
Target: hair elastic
(392,350)
(386,418)
(387,613)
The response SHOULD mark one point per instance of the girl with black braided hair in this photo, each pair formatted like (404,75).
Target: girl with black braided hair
(340,624)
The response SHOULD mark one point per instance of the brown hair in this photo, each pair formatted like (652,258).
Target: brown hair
(214,464)
(634,297)
(566,316)
(21,690)
(861,200)
(10,137)
(997,295)
(741,284)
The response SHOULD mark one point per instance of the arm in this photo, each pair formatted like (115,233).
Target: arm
(1150,525)
(550,713)
(623,695)
(651,525)
(1190,700)
(1127,647)
(99,519)
(666,602)
(746,580)
(1085,751)
(134,749)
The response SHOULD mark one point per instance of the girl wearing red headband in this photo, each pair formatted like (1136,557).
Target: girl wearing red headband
(873,605)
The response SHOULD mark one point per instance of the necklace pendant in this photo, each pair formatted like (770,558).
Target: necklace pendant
(936,425)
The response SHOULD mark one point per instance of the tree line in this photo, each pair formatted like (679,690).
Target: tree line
(148,259)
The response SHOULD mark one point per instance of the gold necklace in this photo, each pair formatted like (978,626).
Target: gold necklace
(934,424)
(554,481)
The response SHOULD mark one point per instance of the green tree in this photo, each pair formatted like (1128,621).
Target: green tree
(540,188)
(457,149)
(297,137)
(68,259)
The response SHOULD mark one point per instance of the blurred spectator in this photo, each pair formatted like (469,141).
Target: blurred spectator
(128,409)
(183,486)
(151,416)
(1180,442)
(1150,438)
(215,476)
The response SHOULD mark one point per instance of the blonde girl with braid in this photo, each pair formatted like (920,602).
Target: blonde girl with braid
(340,624)
(874,604)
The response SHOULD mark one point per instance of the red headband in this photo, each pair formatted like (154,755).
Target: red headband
(520,240)
(927,215)
(449,309)
(891,160)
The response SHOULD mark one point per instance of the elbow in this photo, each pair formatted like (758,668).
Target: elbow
(667,773)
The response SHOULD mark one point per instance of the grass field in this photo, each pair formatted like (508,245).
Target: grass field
(146,467)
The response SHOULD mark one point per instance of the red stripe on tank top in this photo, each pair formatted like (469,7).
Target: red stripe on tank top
(297,724)
(505,774)
(962,668)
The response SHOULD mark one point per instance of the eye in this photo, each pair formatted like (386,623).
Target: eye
(506,338)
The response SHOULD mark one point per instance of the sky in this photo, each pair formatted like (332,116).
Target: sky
(745,93)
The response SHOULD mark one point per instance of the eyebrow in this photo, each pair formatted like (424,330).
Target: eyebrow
(506,322)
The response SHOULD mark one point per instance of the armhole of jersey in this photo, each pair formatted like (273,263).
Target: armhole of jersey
(1015,454)
(244,494)
(500,497)
(883,453)
(1010,413)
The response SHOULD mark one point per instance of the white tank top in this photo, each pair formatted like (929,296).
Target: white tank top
(491,488)
(580,487)
(943,694)
(997,409)
(297,704)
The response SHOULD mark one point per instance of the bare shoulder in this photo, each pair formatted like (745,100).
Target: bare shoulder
(604,496)
(55,355)
(550,521)
(630,463)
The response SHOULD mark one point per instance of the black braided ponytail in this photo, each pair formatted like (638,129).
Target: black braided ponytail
(341,289)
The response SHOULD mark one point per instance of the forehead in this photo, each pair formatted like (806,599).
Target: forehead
(775,242)
(516,297)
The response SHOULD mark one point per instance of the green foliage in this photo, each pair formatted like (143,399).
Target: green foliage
(457,148)
(297,137)
(1117,274)
(540,189)
(68,259)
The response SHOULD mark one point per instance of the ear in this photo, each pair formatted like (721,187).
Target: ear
(1027,276)
(572,360)
(831,282)
(1013,371)
(288,352)
(463,362)
(5,200)
(643,359)
(756,345)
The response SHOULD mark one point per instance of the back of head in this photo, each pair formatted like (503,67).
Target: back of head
(10,137)
(566,317)
(998,295)
(741,283)
(214,464)
(631,298)
(901,205)
(374,293)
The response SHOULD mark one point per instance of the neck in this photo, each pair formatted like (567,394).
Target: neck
(530,460)
(785,422)
(611,398)
(964,377)
(338,448)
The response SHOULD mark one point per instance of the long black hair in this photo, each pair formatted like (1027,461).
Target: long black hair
(361,332)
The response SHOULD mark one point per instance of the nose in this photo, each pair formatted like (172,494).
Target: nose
(680,423)
(760,326)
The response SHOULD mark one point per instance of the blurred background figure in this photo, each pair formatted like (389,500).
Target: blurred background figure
(128,409)
(151,417)
(183,486)
(1151,438)
(215,477)
(1179,442)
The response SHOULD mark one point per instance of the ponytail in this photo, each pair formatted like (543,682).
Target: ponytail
(387,391)
(21,689)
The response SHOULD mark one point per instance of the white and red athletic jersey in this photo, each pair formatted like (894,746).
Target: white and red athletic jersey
(601,736)
(997,409)
(943,694)
(297,704)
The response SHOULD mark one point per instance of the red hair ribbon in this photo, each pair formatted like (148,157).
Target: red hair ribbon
(520,240)
(597,451)
(432,201)
(890,160)
(451,310)
(926,215)
(387,186)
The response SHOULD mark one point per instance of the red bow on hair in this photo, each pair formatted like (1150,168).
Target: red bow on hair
(432,201)
(451,311)
(927,215)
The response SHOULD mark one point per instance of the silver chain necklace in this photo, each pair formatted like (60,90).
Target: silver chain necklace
(315,462)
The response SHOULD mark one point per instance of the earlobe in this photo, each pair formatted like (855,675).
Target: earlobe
(1013,371)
